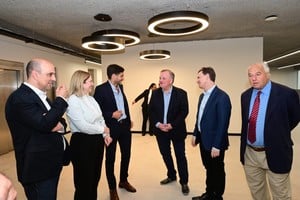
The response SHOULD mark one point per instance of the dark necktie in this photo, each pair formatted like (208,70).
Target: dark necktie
(253,119)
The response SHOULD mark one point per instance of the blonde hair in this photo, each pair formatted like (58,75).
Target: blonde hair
(78,79)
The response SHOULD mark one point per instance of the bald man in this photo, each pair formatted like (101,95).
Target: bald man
(36,126)
(266,145)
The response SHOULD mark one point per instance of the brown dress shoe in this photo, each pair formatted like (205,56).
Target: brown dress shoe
(113,195)
(127,186)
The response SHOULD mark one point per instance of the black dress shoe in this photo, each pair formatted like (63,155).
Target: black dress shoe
(204,196)
(127,186)
(167,180)
(185,189)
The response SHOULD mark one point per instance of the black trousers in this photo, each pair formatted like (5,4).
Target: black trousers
(121,135)
(86,156)
(164,144)
(145,119)
(42,190)
(215,172)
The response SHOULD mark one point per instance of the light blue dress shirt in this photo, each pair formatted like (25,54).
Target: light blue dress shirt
(260,122)
(167,97)
(204,100)
(119,100)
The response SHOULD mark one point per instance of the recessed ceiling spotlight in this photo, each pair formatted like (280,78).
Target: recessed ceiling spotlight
(102,17)
(271,18)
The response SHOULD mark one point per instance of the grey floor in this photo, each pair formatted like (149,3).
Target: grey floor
(147,169)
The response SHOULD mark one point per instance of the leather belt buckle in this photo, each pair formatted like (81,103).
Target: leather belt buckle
(258,149)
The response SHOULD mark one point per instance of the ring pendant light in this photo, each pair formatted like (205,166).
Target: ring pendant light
(155,55)
(102,43)
(157,23)
(130,37)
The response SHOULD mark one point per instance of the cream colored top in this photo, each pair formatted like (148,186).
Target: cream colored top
(84,115)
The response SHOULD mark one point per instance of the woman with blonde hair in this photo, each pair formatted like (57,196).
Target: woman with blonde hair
(89,134)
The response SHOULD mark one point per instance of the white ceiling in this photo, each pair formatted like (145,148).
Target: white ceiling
(63,23)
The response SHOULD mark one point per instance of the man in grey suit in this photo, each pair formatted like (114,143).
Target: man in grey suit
(211,132)
(267,148)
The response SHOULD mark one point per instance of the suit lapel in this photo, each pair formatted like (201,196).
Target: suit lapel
(111,93)
(35,97)
(210,100)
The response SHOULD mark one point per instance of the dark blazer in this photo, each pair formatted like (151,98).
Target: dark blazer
(39,152)
(282,115)
(105,97)
(177,112)
(144,95)
(215,121)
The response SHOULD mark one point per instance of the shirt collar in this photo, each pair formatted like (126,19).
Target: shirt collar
(40,93)
(209,91)
(169,91)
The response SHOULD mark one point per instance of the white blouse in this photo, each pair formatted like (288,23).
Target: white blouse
(84,115)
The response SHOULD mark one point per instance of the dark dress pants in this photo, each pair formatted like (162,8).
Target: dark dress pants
(215,173)
(86,156)
(42,190)
(145,118)
(164,144)
(121,135)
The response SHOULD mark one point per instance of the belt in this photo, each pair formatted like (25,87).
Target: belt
(259,149)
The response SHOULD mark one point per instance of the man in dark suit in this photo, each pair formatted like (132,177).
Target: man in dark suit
(211,131)
(269,154)
(114,106)
(145,110)
(36,126)
(168,109)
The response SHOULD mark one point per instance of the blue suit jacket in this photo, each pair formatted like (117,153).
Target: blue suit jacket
(215,121)
(105,97)
(39,151)
(177,112)
(282,115)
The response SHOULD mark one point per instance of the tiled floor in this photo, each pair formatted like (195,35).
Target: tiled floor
(147,169)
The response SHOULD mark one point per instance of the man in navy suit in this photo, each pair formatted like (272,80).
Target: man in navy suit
(114,106)
(168,109)
(36,126)
(270,153)
(211,132)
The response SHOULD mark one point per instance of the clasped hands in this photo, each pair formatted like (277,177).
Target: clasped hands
(165,127)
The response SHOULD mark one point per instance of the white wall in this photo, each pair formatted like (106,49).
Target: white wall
(229,57)
(16,50)
(286,77)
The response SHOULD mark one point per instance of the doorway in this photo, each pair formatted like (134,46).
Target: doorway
(11,77)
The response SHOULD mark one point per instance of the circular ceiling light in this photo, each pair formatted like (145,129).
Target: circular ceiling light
(178,23)
(155,55)
(102,43)
(130,37)
(271,18)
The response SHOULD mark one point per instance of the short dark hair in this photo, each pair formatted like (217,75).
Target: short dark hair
(210,71)
(151,85)
(114,69)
